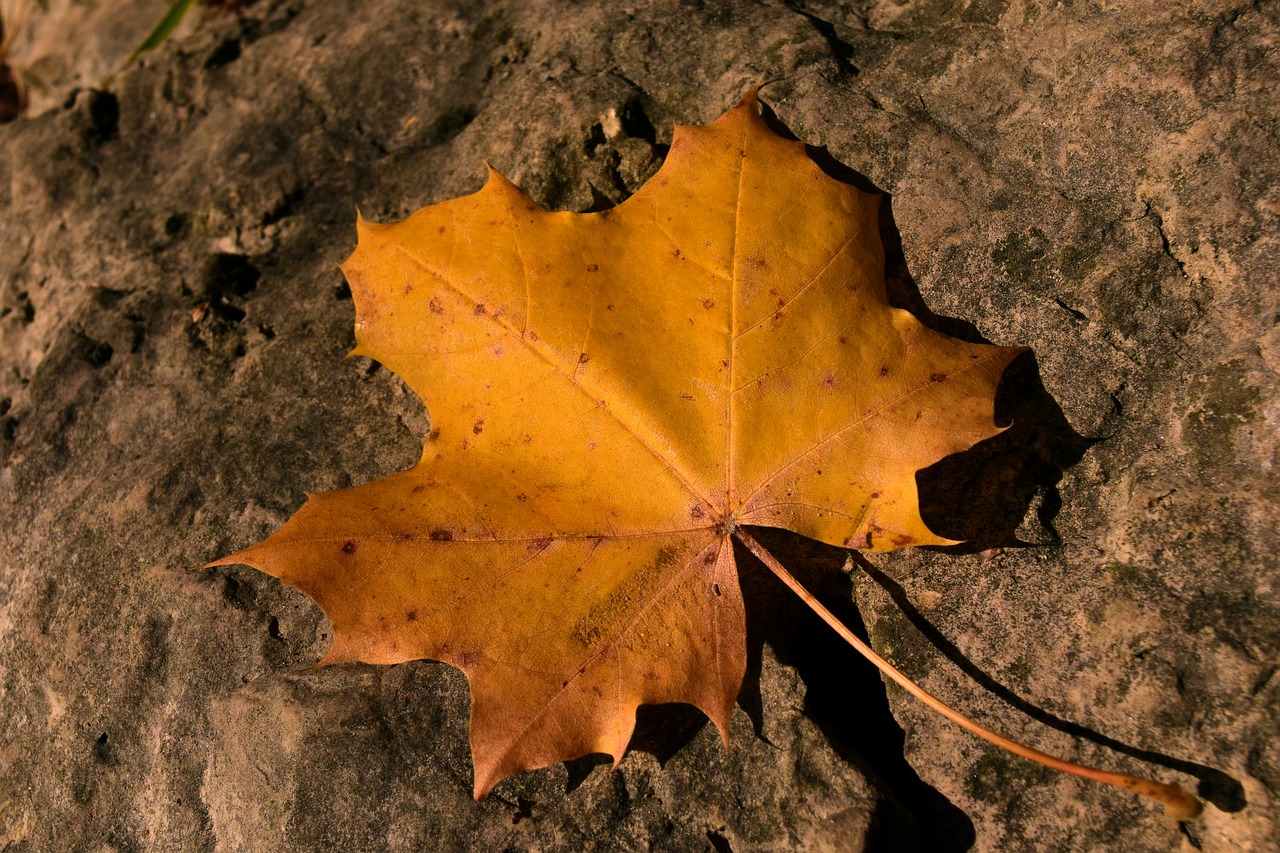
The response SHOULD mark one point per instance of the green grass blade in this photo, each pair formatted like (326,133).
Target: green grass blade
(164,28)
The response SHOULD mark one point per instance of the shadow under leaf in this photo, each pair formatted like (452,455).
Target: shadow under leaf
(1217,787)
(844,695)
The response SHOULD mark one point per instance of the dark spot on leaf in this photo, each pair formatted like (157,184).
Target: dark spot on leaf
(708,303)
(696,512)
(435,306)
(884,371)
(479,427)
(583,358)
(875,494)
(715,588)
(411,615)
(937,377)
(442,535)
(593,267)
(479,310)
(349,547)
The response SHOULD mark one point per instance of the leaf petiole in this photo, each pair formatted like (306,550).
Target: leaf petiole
(1177,802)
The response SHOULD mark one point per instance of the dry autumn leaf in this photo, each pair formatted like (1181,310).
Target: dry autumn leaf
(616,396)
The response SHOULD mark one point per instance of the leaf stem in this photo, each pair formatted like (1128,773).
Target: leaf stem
(1177,802)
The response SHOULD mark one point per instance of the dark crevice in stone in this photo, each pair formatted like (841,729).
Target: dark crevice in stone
(102,111)
(1165,245)
(225,53)
(718,842)
(104,751)
(285,207)
(451,123)
(1193,837)
(1079,315)
(230,275)
(96,353)
(841,50)
(228,279)
(636,124)
(595,138)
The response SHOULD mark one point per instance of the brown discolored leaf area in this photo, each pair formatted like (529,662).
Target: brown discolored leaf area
(614,396)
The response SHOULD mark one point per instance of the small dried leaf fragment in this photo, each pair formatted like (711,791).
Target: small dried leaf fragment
(615,394)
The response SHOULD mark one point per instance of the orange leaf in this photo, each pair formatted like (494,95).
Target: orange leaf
(614,394)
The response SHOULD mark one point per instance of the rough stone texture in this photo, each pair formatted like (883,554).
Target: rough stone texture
(1095,180)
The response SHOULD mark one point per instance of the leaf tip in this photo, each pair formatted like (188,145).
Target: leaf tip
(491,174)
(483,783)
(239,558)
(723,728)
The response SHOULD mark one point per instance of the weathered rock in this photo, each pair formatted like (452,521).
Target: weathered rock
(1098,184)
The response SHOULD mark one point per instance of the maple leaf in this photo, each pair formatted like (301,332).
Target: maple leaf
(615,396)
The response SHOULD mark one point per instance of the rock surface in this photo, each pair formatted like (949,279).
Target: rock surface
(1096,182)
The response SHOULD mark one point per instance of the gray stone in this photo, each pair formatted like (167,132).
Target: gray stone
(1097,183)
